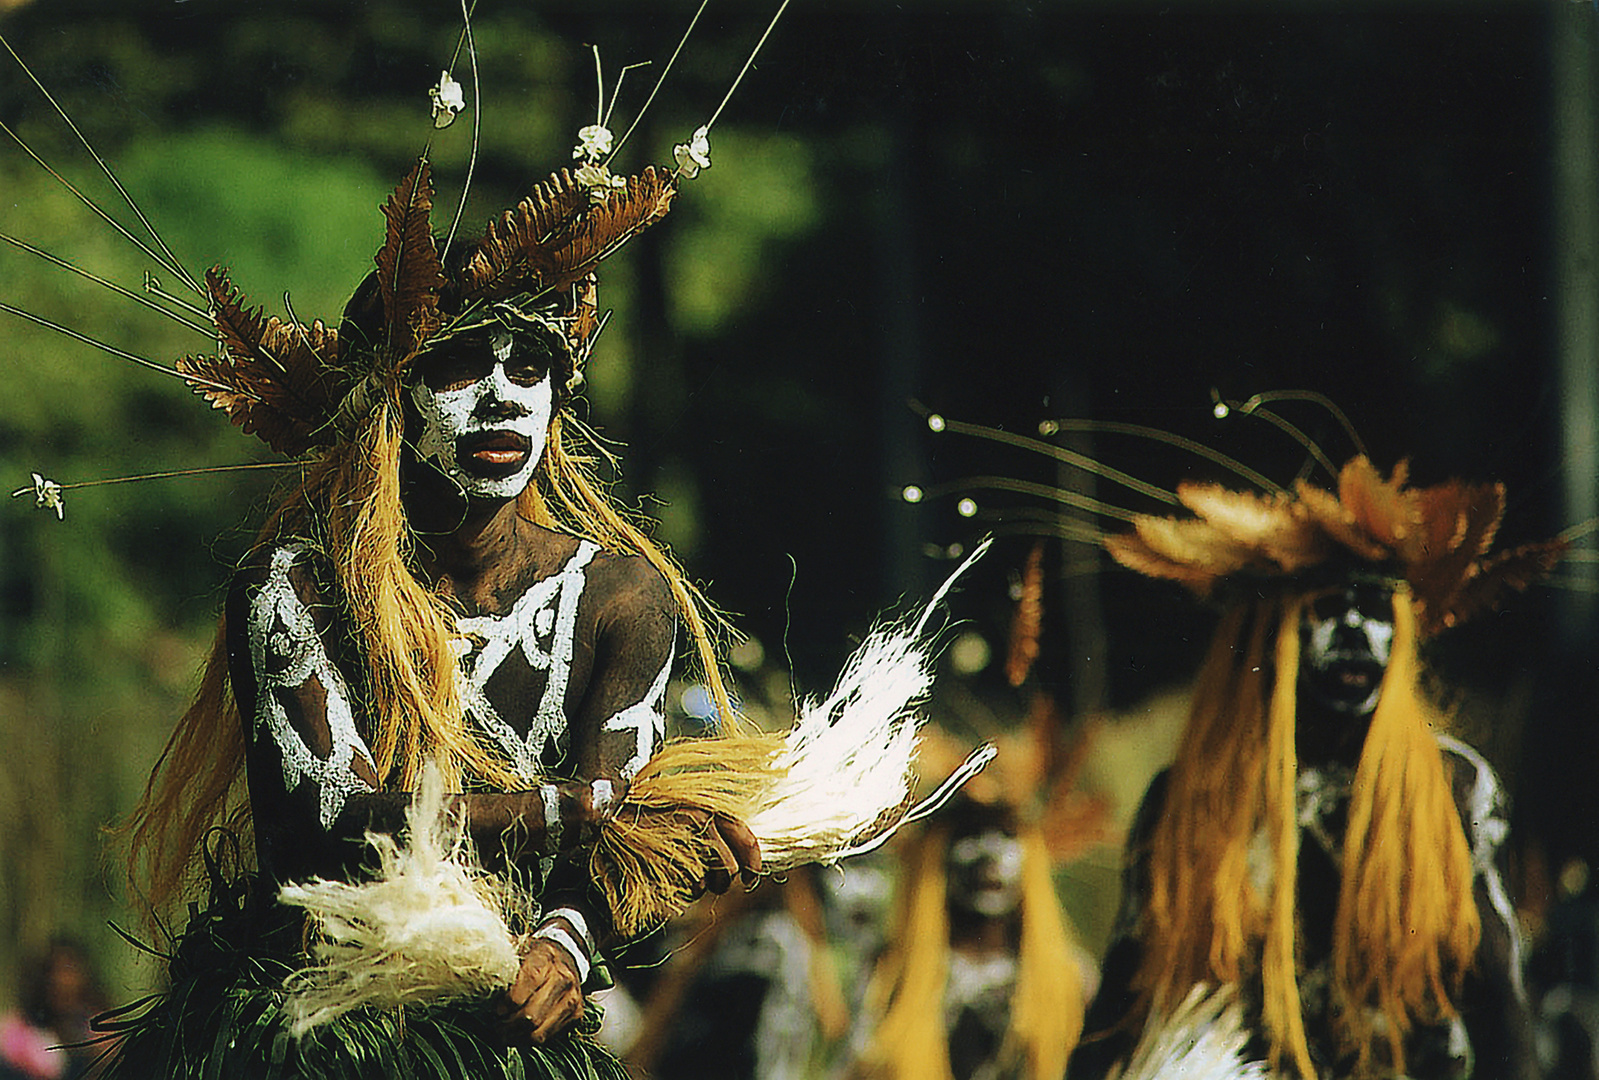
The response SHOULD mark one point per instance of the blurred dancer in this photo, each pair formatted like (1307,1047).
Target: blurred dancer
(1319,846)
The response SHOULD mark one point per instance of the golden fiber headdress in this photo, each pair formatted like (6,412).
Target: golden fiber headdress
(297,387)
(1436,539)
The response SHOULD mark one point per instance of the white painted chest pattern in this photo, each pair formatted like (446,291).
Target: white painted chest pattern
(542,625)
(286,652)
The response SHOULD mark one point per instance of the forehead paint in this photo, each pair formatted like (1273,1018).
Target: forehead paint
(490,405)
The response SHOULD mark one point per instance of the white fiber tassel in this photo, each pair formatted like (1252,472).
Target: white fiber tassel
(430,926)
(1203,1039)
(847,765)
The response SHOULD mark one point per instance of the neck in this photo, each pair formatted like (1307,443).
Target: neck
(1322,737)
(982,935)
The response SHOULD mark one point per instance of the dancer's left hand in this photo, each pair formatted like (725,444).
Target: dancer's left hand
(547,997)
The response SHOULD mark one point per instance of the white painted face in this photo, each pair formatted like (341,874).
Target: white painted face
(1346,638)
(985,873)
(485,414)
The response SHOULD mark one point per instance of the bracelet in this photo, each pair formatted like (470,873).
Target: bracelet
(553,826)
(579,923)
(558,934)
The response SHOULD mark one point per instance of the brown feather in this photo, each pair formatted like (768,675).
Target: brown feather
(1509,571)
(409,273)
(277,381)
(558,233)
(1461,521)
(1028,619)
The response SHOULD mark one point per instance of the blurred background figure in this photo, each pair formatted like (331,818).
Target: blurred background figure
(982,979)
(42,1039)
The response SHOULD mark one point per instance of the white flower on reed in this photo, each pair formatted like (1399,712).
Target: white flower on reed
(598,181)
(695,154)
(46,495)
(593,143)
(449,101)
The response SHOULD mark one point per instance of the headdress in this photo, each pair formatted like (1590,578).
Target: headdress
(297,387)
(1434,539)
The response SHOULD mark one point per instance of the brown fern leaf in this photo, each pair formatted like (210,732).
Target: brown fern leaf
(1509,571)
(1459,525)
(558,233)
(410,275)
(278,381)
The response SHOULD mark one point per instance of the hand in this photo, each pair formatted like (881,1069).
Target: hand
(547,997)
(735,851)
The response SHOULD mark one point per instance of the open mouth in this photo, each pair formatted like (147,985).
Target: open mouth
(1349,680)
(492,453)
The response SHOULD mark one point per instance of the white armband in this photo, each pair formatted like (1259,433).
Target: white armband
(579,923)
(558,934)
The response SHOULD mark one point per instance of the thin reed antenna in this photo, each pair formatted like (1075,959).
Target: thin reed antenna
(1577,532)
(477,117)
(171,264)
(657,87)
(747,64)
(92,205)
(56,260)
(1058,453)
(599,78)
(1294,433)
(200,471)
(1061,496)
(192,380)
(1181,442)
(616,91)
(153,287)
(1314,398)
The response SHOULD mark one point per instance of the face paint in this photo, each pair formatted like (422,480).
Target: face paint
(487,433)
(1346,637)
(985,873)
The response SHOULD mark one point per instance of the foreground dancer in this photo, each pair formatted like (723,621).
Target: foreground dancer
(432,718)
(1319,850)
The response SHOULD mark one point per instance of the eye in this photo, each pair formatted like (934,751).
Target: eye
(457,365)
(530,361)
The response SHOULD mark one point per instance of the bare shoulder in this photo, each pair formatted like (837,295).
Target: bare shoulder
(293,563)
(629,580)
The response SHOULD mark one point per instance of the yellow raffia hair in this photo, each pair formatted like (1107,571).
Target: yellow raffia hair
(1046,1009)
(1406,928)
(348,505)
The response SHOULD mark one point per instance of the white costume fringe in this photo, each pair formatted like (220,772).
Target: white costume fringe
(849,762)
(429,927)
(432,926)
(1203,1039)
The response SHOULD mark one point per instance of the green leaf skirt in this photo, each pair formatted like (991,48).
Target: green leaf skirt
(222,1018)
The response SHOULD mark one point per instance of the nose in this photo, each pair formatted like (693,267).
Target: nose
(497,401)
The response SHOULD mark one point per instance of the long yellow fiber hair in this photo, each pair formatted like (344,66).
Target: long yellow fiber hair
(1047,1008)
(1406,928)
(347,504)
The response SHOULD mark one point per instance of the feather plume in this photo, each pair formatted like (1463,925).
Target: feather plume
(1203,1039)
(429,927)
(277,380)
(837,784)
(409,273)
(559,233)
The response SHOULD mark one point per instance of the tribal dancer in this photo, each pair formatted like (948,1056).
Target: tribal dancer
(1319,848)
(439,678)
